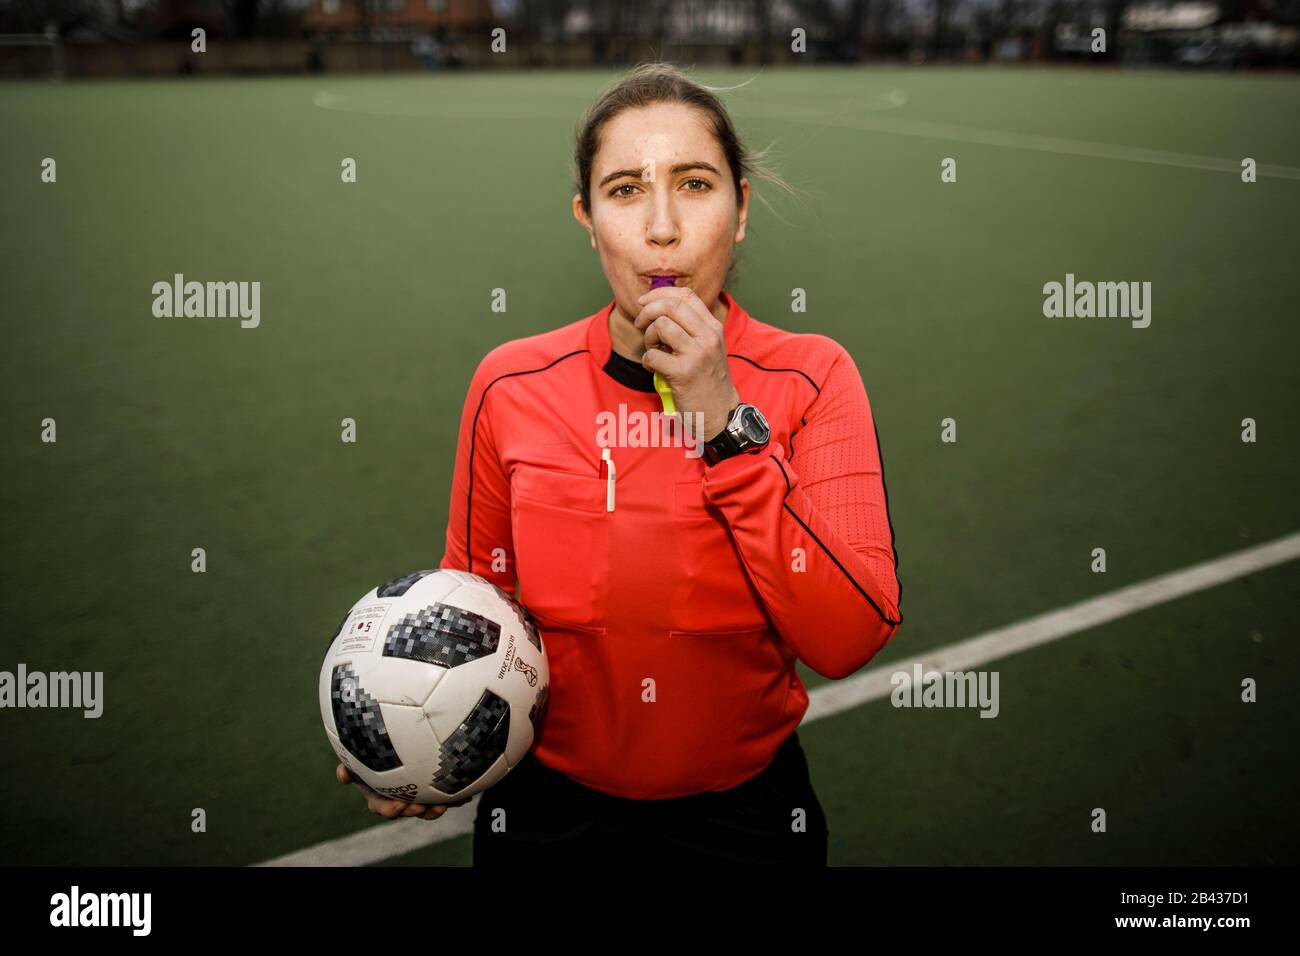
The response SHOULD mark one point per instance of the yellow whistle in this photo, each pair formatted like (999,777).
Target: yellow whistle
(665,394)
(662,387)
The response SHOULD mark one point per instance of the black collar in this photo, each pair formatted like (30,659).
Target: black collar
(629,373)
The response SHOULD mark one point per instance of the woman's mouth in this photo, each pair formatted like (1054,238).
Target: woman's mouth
(661,279)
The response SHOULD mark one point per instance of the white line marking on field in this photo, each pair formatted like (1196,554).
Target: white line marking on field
(445,108)
(874,684)
(901,126)
(385,841)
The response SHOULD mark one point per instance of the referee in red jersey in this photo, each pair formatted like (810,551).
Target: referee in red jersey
(689,501)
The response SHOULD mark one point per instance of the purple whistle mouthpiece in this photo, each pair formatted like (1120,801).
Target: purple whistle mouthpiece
(659,281)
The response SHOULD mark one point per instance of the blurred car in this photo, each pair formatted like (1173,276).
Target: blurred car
(1207,53)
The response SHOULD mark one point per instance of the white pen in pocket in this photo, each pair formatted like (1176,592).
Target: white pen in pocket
(609,478)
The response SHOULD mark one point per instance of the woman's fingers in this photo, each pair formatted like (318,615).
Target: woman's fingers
(390,809)
(665,363)
(681,305)
(394,809)
(664,331)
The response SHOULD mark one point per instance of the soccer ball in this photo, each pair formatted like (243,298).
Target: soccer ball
(434,686)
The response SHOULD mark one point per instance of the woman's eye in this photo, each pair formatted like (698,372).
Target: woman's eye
(615,192)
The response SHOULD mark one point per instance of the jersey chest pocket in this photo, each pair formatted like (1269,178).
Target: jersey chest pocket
(561,543)
(713,579)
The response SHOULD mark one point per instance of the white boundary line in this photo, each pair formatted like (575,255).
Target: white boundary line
(901,126)
(384,841)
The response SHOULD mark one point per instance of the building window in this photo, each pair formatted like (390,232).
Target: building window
(330,7)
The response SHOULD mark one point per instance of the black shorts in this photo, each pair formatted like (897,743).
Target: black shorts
(551,818)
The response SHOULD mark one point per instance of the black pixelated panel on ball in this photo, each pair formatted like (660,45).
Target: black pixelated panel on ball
(443,634)
(359,722)
(530,629)
(399,586)
(475,745)
(537,713)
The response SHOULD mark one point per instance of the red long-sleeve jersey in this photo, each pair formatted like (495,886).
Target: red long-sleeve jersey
(674,597)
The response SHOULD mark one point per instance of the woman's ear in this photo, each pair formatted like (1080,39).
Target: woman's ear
(743,212)
(580,214)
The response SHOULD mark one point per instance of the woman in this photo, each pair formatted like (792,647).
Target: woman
(675,581)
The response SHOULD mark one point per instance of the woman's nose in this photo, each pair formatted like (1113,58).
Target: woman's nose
(663,226)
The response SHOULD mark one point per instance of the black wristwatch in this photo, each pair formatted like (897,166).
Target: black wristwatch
(746,430)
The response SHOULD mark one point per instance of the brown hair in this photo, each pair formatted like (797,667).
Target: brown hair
(649,83)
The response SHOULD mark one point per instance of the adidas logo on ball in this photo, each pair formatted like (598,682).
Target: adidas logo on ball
(406,791)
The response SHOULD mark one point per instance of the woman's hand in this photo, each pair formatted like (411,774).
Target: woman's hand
(684,343)
(392,809)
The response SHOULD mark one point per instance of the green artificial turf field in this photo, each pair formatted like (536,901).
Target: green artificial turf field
(1073,433)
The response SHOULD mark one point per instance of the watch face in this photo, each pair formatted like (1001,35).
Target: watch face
(755,426)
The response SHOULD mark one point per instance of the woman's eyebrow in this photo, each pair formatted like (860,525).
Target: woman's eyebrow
(679,168)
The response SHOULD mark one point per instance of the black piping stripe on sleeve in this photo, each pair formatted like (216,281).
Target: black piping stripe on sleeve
(844,570)
(893,548)
(885,489)
(764,368)
(473,441)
